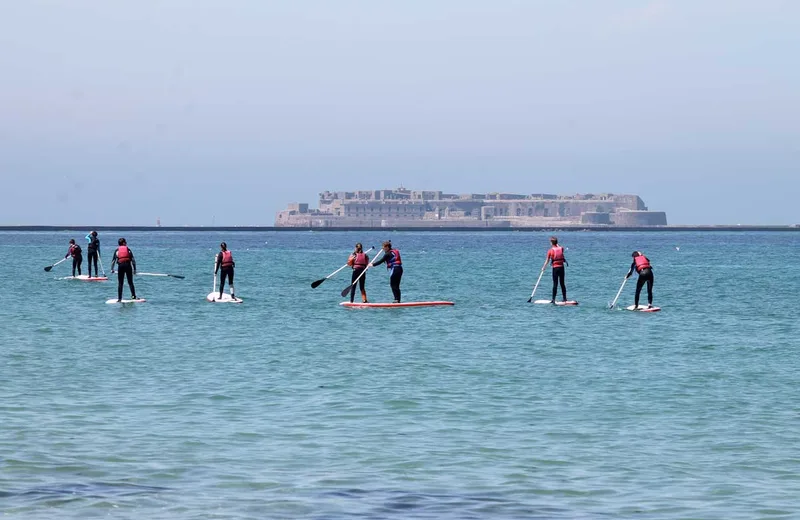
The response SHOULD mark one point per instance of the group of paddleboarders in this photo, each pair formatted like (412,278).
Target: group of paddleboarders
(359,262)
(641,264)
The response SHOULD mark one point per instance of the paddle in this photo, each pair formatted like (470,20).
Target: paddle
(52,266)
(161,274)
(316,284)
(612,304)
(349,288)
(100,261)
(535,286)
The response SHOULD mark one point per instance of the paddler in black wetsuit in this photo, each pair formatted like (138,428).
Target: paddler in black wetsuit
(555,255)
(642,266)
(94,252)
(392,258)
(77,256)
(123,257)
(226,264)
(358,261)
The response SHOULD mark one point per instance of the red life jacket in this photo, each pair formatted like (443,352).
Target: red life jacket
(74,250)
(360,260)
(395,261)
(227,259)
(557,256)
(123,254)
(642,263)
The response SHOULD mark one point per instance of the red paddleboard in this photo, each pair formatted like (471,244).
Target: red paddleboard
(548,302)
(392,305)
(644,308)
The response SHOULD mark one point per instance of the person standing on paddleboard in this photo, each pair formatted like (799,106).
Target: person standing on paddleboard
(392,258)
(123,257)
(77,256)
(358,261)
(642,266)
(226,263)
(555,256)
(94,251)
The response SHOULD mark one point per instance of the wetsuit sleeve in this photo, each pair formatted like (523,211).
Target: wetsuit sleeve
(630,272)
(113,260)
(217,260)
(384,258)
(133,260)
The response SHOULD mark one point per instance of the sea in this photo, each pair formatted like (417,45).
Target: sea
(290,406)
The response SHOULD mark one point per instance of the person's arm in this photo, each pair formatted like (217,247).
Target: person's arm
(546,259)
(113,261)
(384,258)
(133,260)
(630,272)
(69,252)
(217,262)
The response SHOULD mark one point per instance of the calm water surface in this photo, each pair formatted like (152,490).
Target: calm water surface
(288,406)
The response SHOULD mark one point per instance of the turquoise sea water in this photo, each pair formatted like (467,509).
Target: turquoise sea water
(289,406)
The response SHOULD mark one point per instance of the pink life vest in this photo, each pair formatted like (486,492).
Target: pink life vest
(556,254)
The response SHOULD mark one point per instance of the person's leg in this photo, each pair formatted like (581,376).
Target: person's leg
(129,275)
(561,276)
(639,283)
(650,280)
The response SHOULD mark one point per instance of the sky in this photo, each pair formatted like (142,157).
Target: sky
(203,112)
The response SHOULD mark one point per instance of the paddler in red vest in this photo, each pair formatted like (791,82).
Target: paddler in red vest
(358,261)
(642,266)
(126,264)
(77,256)
(555,256)
(226,264)
(392,258)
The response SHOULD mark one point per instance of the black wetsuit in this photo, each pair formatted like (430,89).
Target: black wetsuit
(225,272)
(357,270)
(93,250)
(77,258)
(645,276)
(124,269)
(558,277)
(395,275)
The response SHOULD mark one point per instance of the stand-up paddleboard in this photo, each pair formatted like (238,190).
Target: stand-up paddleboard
(87,278)
(226,298)
(356,305)
(138,300)
(562,304)
(643,308)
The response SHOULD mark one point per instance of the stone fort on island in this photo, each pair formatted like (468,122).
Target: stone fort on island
(409,208)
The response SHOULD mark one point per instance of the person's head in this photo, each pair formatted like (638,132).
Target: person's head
(121,242)
(554,240)
(359,247)
(72,241)
(223,246)
(387,245)
(635,254)
(94,233)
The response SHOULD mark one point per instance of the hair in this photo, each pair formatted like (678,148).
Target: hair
(71,240)
(388,243)
(224,246)
(121,241)
(635,254)
(359,247)
(94,233)
(554,240)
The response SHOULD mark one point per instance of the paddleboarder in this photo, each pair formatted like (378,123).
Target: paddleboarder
(93,250)
(77,256)
(123,257)
(395,266)
(555,256)
(645,271)
(226,264)
(358,261)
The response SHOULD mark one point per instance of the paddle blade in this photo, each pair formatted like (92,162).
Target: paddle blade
(178,276)
(48,268)
(347,291)
(316,284)
(529,299)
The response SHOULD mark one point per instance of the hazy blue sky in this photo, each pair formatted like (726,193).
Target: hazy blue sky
(201,111)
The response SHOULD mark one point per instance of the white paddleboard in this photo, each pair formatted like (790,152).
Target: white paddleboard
(87,278)
(138,300)
(643,308)
(559,303)
(226,298)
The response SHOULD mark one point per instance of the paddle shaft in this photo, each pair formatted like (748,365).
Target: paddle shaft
(536,285)
(55,264)
(100,261)
(160,274)
(350,287)
(624,280)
